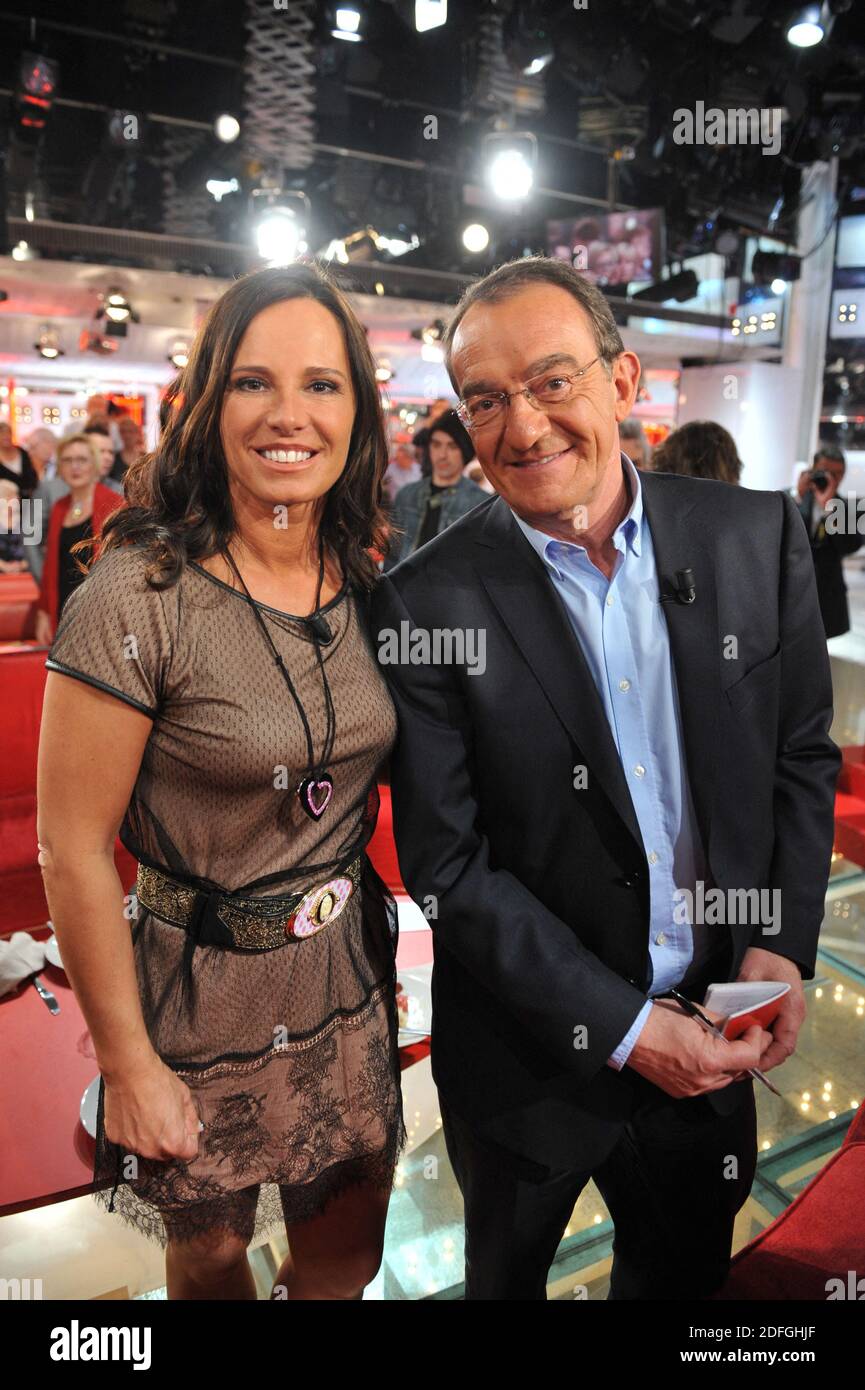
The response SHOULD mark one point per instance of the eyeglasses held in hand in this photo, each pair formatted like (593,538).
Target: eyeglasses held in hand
(556,389)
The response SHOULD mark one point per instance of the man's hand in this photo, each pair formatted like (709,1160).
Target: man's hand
(680,1056)
(758,964)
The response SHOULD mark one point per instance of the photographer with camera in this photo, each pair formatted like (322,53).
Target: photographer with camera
(816,488)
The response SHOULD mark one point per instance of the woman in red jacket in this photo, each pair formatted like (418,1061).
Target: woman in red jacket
(73,518)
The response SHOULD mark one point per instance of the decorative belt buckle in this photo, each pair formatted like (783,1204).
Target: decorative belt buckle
(319,907)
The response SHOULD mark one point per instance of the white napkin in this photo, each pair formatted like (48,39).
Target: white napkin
(20,955)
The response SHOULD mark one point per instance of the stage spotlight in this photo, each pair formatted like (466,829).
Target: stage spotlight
(347,24)
(807,27)
(511,158)
(117,308)
(526,39)
(226,128)
(430,14)
(218,188)
(48,343)
(34,93)
(280,222)
(476,238)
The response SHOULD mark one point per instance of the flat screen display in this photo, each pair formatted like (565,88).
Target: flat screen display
(612,248)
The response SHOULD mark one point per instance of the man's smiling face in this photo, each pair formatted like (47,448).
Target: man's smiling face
(544,463)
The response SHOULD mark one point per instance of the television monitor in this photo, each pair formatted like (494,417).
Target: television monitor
(611,248)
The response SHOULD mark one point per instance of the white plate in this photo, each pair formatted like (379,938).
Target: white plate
(88,1107)
(52,952)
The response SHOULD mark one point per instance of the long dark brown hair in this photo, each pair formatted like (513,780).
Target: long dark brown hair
(178,502)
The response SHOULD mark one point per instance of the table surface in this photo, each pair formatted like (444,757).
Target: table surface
(47,1062)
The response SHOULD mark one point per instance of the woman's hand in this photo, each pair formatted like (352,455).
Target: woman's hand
(44,628)
(150,1112)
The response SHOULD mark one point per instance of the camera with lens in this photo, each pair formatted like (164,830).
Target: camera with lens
(820,479)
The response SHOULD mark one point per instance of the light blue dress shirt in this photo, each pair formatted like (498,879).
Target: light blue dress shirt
(620,626)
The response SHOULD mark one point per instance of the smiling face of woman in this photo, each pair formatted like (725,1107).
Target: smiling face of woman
(77,466)
(289,406)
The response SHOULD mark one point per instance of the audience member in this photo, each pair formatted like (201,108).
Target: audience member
(700,449)
(15,463)
(634,443)
(402,469)
(73,518)
(101,436)
(422,510)
(132,447)
(42,448)
(816,487)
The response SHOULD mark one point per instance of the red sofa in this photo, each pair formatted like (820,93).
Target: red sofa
(22,687)
(820,1237)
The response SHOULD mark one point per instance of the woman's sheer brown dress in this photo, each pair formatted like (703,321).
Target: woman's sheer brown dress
(290,1054)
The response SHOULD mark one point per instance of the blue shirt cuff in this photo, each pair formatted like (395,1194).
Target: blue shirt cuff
(623,1051)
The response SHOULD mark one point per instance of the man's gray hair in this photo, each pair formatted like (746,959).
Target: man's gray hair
(518,275)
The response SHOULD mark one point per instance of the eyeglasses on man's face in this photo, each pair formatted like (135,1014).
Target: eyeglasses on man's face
(553,388)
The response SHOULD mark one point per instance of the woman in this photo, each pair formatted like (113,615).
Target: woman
(16,466)
(74,518)
(246,1032)
(700,449)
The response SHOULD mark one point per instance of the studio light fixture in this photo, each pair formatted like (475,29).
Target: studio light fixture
(48,343)
(226,128)
(23,251)
(179,354)
(384,372)
(218,188)
(807,27)
(510,160)
(347,23)
(117,309)
(476,238)
(430,14)
(34,92)
(280,221)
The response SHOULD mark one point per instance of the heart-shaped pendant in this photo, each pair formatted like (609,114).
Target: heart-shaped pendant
(315,793)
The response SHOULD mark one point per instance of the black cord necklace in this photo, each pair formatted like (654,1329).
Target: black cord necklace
(315,790)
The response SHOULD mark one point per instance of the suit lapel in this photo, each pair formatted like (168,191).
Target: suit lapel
(519,587)
(681,539)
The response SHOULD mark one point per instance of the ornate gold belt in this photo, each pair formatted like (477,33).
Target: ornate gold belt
(249,924)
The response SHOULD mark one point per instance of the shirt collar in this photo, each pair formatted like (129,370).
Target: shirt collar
(628,533)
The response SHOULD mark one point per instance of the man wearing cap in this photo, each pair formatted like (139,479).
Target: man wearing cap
(423,510)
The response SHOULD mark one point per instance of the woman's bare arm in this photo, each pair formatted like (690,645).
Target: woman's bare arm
(90,750)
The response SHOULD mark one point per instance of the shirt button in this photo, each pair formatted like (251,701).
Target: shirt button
(609,600)
(639,770)
(653,858)
(624,685)
(661,939)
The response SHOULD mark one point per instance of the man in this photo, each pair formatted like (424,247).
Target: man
(635,444)
(424,509)
(649,722)
(131,447)
(815,490)
(102,439)
(42,448)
